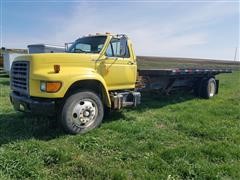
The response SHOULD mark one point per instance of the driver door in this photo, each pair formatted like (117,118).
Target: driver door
(120,69)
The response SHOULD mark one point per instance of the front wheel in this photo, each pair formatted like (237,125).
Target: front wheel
(82,112)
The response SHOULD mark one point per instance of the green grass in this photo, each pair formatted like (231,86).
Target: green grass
(174,137)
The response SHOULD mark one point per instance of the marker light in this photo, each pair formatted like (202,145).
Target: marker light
(50,87)
(56,68)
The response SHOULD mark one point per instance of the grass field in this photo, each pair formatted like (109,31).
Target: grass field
(174,137)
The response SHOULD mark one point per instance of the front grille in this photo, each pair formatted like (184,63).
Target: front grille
(19,77)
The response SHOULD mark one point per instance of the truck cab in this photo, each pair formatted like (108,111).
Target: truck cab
(96,72)
(116,57)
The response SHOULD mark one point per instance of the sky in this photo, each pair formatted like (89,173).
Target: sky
(196,29)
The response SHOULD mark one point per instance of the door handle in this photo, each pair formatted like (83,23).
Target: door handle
(130,62)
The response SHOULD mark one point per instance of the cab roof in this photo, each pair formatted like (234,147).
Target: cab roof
(106,34)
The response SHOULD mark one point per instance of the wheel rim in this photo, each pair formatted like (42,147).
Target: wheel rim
(84,113)
(211,89)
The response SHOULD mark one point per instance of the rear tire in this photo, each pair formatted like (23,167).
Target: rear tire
(82,112)
(208,88)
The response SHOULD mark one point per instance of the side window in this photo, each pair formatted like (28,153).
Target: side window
(114,49)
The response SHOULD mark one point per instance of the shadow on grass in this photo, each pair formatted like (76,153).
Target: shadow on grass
(151,100)
(19,126)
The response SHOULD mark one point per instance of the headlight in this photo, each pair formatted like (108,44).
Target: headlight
(43,86)
(50,87)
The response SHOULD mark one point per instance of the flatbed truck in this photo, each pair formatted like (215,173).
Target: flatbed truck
(96,73)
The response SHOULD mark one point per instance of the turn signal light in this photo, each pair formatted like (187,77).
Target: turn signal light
(50,87)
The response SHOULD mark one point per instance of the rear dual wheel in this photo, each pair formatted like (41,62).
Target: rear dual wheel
(82,112)
(207,88)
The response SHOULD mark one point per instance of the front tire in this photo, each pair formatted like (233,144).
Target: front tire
(82,112)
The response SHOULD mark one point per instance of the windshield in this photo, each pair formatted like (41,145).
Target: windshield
(92,44)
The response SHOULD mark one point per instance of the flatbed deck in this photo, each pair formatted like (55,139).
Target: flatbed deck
(181,72)
(167,80)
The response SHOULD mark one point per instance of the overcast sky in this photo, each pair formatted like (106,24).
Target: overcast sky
(198,29)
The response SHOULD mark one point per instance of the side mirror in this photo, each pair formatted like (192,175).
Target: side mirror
(123,46)
(67,46)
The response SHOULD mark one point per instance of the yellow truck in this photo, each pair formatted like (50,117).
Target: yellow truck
(96,73)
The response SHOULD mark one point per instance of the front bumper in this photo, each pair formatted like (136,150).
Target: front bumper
(38,106)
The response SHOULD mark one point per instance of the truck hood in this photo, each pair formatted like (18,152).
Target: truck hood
(58,57)
(44,62)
